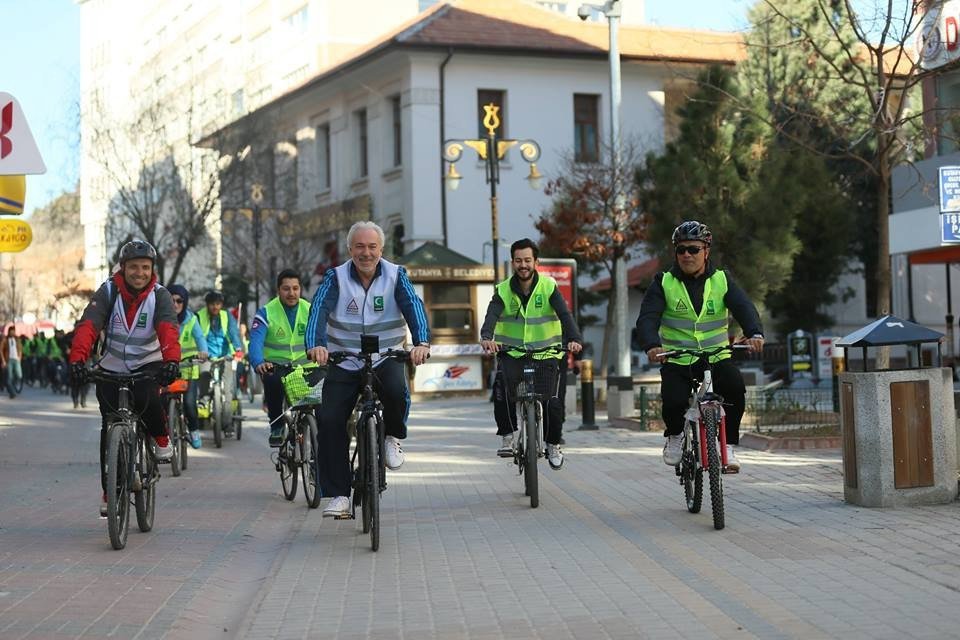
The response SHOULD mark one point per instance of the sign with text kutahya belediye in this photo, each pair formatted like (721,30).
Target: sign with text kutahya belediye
(950,228)
(949,179)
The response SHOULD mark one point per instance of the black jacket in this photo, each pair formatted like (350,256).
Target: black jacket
(654,302)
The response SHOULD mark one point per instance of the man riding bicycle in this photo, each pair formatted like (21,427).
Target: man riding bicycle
(365,295)
(192,345)
(279,331)
(687,307)
(546,321)
(223,340)
(140,334)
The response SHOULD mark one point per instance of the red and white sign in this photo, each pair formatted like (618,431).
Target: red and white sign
(564,271)
(825,351)
(938,37)
(18,151)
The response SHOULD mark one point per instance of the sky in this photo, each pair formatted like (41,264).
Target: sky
(43,72)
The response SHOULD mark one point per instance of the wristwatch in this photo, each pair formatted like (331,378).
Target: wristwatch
(424,344)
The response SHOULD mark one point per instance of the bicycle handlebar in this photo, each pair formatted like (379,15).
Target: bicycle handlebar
(502,348)
(704,353)
(336,357)
(103,375)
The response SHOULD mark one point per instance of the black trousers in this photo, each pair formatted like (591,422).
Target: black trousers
(341,388)
(146,403)
(676,382)
(546,378)
(273,396)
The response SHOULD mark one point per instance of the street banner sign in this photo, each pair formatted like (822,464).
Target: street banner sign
(564,271)
(949,228)
(18,150)
(949,189)
(15,235)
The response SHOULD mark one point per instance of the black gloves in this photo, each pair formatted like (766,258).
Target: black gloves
(78,373)
(168,373)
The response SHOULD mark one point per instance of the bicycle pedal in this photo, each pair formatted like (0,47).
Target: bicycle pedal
(164,461)
(730,471)
(344,516)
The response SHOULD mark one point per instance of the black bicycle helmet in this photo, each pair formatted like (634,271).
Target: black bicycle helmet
(213,297)
(137,249)
(692,230)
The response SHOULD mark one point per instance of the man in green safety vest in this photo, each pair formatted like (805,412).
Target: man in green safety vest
(528,310)
(277,336)
(687,307)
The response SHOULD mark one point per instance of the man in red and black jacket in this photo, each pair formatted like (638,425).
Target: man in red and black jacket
(140,333)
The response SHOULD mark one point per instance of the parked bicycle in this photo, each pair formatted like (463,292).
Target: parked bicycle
(131,466)
(367,462)
(528,443)
(704,425)
(298,453)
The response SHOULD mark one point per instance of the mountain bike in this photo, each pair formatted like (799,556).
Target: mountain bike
(528,442)
(131,466)
(367,462)
(177,420)
(704,437)
(298,453)
(223,415)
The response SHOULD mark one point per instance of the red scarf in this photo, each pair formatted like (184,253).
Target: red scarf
(131,301)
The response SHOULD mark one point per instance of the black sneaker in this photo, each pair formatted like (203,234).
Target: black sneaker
(276,438)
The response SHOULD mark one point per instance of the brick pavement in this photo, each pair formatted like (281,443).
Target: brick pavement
(610,553)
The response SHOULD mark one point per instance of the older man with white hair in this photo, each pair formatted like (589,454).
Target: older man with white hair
(366,295)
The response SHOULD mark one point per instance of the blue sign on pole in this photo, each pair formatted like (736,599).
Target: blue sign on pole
(949,189)
(949,228)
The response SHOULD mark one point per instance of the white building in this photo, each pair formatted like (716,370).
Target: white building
(363,140)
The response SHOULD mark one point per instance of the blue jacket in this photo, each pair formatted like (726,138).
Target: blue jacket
(325,301)
(217,342)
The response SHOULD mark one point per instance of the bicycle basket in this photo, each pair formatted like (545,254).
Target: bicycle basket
(298,389)
(177,386)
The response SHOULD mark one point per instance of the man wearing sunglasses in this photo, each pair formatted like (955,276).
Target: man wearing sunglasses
(690,305)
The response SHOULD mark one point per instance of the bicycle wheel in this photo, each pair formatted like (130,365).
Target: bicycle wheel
(176,437)
(711,420)
(118,485)
(530,479)
(145,500)
(308,460)
(372,499)
(238,424)
(287,467)
(216,417)
(184,437)
(692,477)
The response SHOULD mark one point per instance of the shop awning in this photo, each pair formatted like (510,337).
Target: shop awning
(940,255)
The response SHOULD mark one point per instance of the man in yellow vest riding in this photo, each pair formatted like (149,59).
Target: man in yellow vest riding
(223,341)
(688,307)
(192,345)
(528,311)
(278,336)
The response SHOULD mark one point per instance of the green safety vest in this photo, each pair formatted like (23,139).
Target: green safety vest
(534,326)
(53,349)
(189,349)
(41,347)
(27,347)
(281,344)
(682,328)
(203,317)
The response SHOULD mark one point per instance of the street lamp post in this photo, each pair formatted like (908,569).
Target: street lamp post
(612,9)
(492,150)
(256,196)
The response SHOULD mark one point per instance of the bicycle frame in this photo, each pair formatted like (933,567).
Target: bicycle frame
(701,397)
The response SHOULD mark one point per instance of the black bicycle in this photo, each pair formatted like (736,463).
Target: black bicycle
(367,462)
(298,452)
(528,441)
(704,437)
(131,466)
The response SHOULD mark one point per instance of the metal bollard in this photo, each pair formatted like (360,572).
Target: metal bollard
(836,354)
(589,422)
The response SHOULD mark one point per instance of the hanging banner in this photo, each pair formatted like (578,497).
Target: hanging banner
(15,236)
(18,151)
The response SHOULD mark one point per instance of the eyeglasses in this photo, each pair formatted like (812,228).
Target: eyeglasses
(178,300)
(692,249)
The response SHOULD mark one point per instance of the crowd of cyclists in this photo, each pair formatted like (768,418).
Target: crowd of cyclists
(133,323)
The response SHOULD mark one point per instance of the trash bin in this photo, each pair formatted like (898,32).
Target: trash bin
(898,426)
(619,397)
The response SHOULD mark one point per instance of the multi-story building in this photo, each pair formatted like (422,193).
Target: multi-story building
(362,140)
(189,67)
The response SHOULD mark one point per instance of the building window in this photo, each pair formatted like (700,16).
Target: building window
(323,156)
(397,131)
(450,308)
(585,124)
(363,166)
(948,98)
(297,21)
(396,240)
(497,97)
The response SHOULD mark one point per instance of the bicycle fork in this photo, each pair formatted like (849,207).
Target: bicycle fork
(721,436)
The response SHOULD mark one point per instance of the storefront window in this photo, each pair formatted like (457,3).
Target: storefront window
(948,99)
(451,309)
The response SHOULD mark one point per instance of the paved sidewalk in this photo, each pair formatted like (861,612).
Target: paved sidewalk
(610,553)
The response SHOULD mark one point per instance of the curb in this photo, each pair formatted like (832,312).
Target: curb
(762,442)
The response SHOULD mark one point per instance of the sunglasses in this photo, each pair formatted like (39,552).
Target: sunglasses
(691,249)
(178,300)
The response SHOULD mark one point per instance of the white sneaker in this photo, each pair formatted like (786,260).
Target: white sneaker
(392,453)
(733,465)
(554,456)
(506,446)
(673,450)
(164,454)
(339,506)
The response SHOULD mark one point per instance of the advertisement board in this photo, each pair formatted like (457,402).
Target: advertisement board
(463,373)
(564,271)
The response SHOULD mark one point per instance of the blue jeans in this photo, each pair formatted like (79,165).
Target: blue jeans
(14,373)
